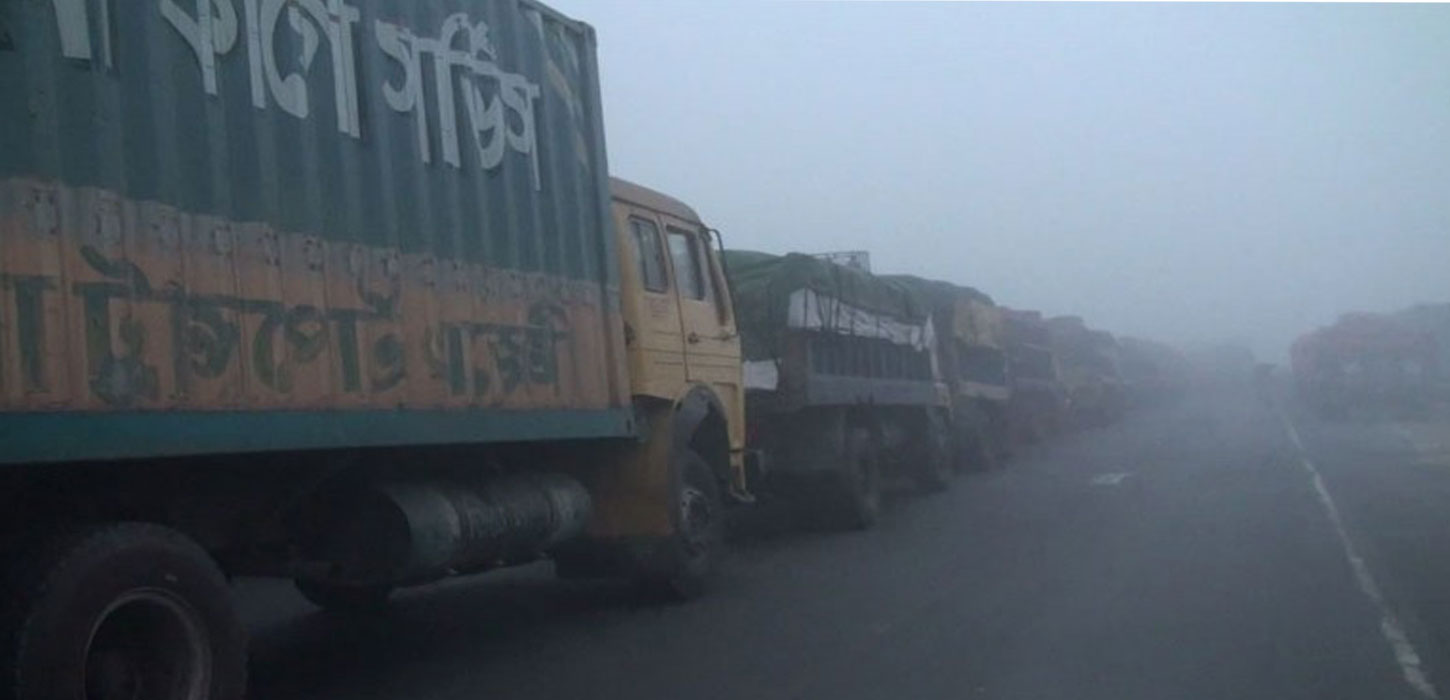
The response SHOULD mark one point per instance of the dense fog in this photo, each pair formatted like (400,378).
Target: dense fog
(1190,172)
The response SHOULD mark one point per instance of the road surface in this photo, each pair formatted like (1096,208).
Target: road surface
(1200,551)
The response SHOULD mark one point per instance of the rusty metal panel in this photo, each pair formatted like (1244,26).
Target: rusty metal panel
(304,205)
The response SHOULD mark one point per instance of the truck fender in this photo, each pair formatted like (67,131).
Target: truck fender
(691,412)
(692,409)
(632,490)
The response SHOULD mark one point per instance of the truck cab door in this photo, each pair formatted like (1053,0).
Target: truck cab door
(653,336)
(712,346)
(707,317)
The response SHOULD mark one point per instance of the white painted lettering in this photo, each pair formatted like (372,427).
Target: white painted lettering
(463,61)
(254,54)
(305,17)
(75,28)
(398,43)
(498,106)
(208,34)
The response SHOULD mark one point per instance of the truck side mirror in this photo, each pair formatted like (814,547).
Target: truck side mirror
(724,303)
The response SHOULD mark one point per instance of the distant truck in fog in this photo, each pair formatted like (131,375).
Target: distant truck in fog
(972,356)
(1037,408)
(1222,365)
(1154,373)
(1366,364)
(1091,374)
(1433,319)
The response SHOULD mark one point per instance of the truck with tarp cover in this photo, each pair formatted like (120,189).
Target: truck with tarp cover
(1038,404)
(1366,364)
(1434,320)
(842,381)
(338,292)
(972,358)
(1154,373)
(1091,376)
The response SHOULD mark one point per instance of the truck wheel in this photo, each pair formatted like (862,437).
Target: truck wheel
(855,489)
(123,610)
(934,457)
(345,599)
(688,557)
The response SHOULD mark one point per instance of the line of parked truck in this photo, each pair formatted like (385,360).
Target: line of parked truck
(379,315)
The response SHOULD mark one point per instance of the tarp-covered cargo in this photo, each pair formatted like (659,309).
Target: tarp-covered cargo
(1089,363)
(1366,361)
(1435,320)
(938,292)
(1038,401)
(970,335)
(1029,348)
(775,294)
(825,333)
(295,224)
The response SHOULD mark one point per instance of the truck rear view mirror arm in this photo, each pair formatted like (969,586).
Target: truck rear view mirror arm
(725,305)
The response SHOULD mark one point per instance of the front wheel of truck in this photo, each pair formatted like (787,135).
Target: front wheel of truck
(123,610)
(686,559)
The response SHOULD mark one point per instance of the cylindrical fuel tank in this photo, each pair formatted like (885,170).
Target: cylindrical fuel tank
(408,531)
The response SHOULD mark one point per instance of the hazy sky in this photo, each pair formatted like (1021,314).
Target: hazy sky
(1182,171)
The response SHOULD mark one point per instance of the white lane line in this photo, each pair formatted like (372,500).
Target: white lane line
(1110,479)
(1429,451)
(1394,632)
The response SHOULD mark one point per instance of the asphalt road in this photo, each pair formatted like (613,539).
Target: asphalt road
(1184,553)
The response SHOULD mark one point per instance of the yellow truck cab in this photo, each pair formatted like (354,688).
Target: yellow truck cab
(680,332)
(658,507)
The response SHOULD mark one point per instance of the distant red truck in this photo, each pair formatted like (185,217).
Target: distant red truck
(1365,363)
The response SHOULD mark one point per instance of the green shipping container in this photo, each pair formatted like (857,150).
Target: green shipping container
(231,225)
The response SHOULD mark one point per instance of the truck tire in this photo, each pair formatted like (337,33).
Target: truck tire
(684,562)
(345,599)
(854,489)
(122,610)
(933,468)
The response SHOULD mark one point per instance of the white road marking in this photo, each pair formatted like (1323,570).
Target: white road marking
(1429,452)
(1110,479)
(1394,632)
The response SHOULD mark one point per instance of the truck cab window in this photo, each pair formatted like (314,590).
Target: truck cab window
(649,254)
(686,258)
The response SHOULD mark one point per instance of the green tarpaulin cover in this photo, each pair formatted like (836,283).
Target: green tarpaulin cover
(763,286)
